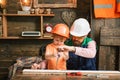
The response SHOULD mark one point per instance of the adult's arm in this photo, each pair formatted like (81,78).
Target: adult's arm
(88,52)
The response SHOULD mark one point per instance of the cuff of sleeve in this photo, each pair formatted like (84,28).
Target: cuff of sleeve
(78,50)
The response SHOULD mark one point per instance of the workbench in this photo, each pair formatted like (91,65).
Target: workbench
(42,75)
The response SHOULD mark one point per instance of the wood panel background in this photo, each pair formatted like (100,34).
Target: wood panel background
(106,33)
(11,49)
(108,56)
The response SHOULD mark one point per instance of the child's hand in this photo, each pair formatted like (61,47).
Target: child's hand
(36,66)
(43,64)
(57,55)
(63,55)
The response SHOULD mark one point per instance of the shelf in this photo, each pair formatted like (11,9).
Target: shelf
(26,38)
(27,14)
(5,25)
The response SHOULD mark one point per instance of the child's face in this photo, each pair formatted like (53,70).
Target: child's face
(58,40)
(78,40)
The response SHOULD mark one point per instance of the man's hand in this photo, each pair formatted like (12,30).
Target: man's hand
(66,48)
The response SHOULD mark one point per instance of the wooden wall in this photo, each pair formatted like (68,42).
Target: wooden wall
(107,35)
(108,57)
(11,49)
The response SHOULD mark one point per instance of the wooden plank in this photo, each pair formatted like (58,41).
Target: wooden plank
(41,27)
(119,59)
(112,57)
(86,75)
(28,14)
(26,37)
(110,36)
(58,77)
(113,22)
(110,41)
(3,76)
(102,58)
(4,26)
(107,58)
(96,27)
(39,77)
(34,71)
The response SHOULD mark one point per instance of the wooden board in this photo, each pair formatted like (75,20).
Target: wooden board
(110,36)
(31,74)
(107,59)
(83,72)
(119,58)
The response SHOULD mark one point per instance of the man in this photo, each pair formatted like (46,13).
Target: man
(82,49)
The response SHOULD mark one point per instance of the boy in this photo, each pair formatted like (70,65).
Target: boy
(56,60)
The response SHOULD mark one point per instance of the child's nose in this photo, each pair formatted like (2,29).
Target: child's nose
(59,43)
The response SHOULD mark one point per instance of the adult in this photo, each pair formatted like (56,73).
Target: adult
(82,49)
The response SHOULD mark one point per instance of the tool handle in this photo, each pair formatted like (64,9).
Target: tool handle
(74,74)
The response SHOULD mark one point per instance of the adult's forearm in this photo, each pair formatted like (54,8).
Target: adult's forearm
(88,52)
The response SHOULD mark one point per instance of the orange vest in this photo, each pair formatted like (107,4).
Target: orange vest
(55,63)
(118,5)
(105,9)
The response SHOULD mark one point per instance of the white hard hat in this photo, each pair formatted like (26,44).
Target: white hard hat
(80,27)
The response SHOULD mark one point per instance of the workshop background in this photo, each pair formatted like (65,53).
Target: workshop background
(105,31)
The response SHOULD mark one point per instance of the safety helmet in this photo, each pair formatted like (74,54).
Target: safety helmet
(61,29)
(80,27)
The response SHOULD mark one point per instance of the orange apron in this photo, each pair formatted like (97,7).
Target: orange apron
(55,62)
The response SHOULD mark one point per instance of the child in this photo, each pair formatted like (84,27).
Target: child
(56,60)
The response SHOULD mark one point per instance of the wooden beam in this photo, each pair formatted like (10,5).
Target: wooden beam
(110,36)
(119,58)
(84,72)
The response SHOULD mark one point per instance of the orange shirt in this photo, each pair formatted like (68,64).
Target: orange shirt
(54,61)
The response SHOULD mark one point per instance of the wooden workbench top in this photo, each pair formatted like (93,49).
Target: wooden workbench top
(29,76)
